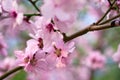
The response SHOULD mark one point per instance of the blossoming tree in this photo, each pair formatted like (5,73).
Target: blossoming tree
(58,39)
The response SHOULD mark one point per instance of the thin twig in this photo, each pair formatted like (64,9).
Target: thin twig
(30,15)
(110,19)
(34,4)
(10,72)
(109,2)
(106,13)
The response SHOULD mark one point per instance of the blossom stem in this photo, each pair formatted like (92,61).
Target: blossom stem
(106,12)
(110,19)
(10,72)
(109,2)
(34,4)
(30,15)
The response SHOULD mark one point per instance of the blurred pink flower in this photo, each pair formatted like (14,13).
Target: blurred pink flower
(84,73)
(63,26)
(13,19)
(11,7)
(95,60)
(7,64)
(111,14)
(118,3)
(116,56)
(60,9)
(3,46)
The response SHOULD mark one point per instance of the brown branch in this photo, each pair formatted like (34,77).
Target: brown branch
(92,27)
(106,12)
(10,72)
(109,2)
(110,19)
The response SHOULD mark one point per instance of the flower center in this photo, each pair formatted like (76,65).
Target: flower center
(41,45)
(57,51)
(13,14)
(26,60)
(50,27)
(32,61)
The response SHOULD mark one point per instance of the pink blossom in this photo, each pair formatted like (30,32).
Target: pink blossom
(43,26)
(95,60)
(116,56)
(14,20)
(9,25)
(44,32)
(32,59)
(101,2)
(39,58)
(84,73)
(47,41)
(11,7)
(3,46)
(44,29)
(7,64)
(111,14)
(118,3)
(60,9)
(40,76)
(61,74)
(63,26)
(62,51)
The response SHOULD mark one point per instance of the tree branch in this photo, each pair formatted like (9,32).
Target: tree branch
(10,72)
(106,12)
(110,19)
(92,27)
